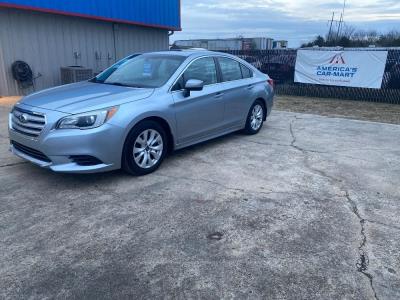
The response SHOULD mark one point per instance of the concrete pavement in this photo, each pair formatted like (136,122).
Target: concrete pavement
(307,209)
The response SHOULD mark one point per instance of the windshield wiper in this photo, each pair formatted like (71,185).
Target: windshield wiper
(95,80)
(123,84)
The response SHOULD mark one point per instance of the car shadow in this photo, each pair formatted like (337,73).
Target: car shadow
(78,180)
(120,174)
(203,146)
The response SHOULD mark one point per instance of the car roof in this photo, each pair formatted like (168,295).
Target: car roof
(194,53)
(191,53)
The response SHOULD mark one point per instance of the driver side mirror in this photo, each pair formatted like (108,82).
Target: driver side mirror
(193,85)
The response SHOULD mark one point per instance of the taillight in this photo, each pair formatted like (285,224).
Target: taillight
(271,82)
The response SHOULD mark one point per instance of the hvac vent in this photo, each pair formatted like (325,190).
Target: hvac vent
(73,74)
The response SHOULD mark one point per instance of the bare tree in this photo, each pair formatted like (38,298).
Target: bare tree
(348,31)
(351,37)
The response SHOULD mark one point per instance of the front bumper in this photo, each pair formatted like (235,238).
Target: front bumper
(104,143)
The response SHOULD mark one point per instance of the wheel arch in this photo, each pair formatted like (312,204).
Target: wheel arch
(264,102)
(165,125)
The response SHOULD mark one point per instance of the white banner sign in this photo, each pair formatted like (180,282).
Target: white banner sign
(341,68)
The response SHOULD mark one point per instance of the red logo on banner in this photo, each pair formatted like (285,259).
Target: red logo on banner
(338,60)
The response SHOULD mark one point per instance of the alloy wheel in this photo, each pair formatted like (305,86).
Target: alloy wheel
(148,148)
(257,116)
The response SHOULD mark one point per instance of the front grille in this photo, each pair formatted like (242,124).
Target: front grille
(85,160)
(30,152)
(27,122)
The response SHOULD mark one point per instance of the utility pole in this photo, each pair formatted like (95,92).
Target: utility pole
(330,27)
(341,23)
(339,26)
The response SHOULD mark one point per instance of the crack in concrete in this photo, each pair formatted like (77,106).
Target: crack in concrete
(267,193)
(14,164)
(285,145)
(294,137)
(363,260)
(204,180)
(266,144)
(316,151)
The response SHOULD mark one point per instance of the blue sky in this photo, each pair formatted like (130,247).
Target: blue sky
(297,21)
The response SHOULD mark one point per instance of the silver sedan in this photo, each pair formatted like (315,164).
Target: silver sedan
(132,114)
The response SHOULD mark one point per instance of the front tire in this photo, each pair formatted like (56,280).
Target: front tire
(255,118)
(145,148)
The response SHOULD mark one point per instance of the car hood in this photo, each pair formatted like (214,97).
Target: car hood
(84,96)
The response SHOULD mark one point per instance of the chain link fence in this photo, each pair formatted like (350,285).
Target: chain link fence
(279,64)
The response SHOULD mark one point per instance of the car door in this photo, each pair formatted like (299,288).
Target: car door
(237,91)
(201,114)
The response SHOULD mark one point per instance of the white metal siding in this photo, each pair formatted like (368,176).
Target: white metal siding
(47,42)
(129,39)
(3,78)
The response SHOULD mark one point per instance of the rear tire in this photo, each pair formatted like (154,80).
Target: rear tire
(145,148)
(255,118)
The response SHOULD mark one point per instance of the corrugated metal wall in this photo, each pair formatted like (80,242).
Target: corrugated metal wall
(47,42)
(129,38)
(3,78)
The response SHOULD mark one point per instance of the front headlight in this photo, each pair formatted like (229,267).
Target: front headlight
(10,115)
(87,120)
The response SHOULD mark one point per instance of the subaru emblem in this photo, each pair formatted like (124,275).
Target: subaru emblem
(23,118)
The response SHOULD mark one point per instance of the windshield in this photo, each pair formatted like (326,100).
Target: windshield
(141,71)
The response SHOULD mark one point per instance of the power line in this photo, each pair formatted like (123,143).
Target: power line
(341,23)
(330,28)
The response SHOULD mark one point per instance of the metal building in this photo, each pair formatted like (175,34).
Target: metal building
(229,44)
(280,44)
(50,34)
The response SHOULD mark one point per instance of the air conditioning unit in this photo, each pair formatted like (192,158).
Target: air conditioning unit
(73,74)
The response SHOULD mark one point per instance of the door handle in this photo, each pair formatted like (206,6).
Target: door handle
(219,95)
(250,86)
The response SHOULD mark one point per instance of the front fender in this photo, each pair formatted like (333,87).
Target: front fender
(130,114)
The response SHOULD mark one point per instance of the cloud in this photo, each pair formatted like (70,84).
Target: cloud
(294,20)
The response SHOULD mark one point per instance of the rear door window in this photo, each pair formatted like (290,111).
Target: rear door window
(230,69)
(246,72)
